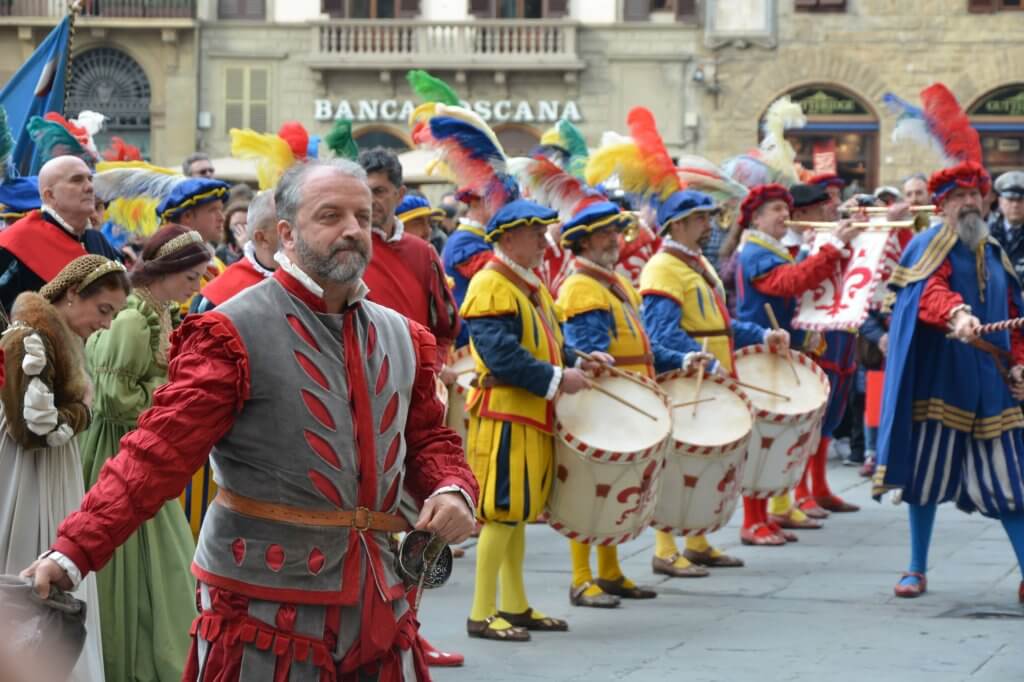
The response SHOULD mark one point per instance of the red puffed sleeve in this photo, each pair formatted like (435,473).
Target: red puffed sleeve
(474,264)
(787,281)
(208,381)
(938,299)
(434,458)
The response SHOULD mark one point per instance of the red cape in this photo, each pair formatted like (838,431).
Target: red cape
(238,277)
(40,245)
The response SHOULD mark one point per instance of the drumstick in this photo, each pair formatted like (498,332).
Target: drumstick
(700,378)
(466,371)
(692,402)
(763,390)
(775,325)
(613,369)
(621,400)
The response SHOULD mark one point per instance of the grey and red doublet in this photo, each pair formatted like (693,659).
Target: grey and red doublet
(304,412)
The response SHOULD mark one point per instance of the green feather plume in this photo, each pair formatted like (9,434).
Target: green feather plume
(576,145)
(339,140)
(431,89)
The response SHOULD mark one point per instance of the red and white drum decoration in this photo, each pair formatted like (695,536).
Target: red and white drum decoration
(704,466)
(608,459)
(785,431)
(457,418)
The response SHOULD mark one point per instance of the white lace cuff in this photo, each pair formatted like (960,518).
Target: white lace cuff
(39,411)
(74,575)
(556,380)
(59,436)
(35,355)
(455,489)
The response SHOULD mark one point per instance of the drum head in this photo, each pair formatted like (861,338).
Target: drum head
(772,371)
(605,424)
(721,421)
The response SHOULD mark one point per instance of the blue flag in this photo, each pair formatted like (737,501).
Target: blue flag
(36,89)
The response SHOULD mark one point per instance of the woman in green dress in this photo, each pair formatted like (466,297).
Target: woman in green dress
(147,592)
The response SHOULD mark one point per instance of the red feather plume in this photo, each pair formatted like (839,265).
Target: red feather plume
(77,131)
(119,150)
(296,136)
(660,169)
(949,123)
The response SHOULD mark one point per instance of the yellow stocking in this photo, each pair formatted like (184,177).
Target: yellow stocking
(580,554)
(664,544)
(513,589)
(780,505)
(608,567)
(491,549)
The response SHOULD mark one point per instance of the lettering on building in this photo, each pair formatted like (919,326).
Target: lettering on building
(496,111)
(824,102)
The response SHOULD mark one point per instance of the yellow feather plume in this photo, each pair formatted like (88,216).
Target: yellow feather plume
(113,165)
(137,215)
(617,157)
(272,154)
(422,113)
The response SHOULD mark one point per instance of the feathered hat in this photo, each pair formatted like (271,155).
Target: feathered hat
(412,207)
(640,163)
(470,150)
(340,141)
(274,153)
(775,151)
(700,174)
(941,125)
(56,136)
(564,144)
(518,213)
(582,209)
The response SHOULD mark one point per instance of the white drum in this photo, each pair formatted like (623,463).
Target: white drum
(457,418)
(700,483)
(608,458)
(785,431)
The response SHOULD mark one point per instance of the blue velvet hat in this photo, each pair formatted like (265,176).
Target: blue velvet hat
(684,203)
(516,214)
(18,196)
(592,218)
(413,206)
(188,194)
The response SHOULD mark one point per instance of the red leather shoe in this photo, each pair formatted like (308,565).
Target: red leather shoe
(834,503)
(439,659)
(761,535)
(911,590)
(784,534)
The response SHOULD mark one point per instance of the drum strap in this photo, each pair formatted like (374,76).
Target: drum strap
(531,293)
(695,263)
(607,280)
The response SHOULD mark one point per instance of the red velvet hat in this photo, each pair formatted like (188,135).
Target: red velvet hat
(759,196)
(967,174)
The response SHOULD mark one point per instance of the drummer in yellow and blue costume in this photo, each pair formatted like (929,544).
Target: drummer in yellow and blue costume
(522,363)
(601,310)
(683,302)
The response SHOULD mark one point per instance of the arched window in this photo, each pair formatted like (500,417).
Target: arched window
(368,137)
(998,116)
(108,81)
(517,140)
(841,135)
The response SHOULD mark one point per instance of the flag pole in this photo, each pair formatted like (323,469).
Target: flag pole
(73,9)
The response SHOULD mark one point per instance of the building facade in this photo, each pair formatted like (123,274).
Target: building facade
(180,73)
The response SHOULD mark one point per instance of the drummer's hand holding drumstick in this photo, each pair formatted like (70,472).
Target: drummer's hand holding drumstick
(573,380)
(777,339)
(696,358)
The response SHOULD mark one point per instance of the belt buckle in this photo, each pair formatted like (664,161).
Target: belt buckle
(367,515)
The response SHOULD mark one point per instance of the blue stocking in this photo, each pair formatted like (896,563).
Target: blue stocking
(922,520)
(1014,525)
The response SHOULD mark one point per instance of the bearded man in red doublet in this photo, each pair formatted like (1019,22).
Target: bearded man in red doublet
(296,572)
(405,274)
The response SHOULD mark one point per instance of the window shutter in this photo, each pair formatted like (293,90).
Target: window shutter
(259,94)
(833,5)
(481,8)
(982,6)
(234,96)
(806,4)
(409,9)
(335,9)
(686,10)
(636,10)
(253,9)
(556,9)
(229,9)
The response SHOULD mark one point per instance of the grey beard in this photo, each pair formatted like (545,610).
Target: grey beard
(326,267)
(971,229)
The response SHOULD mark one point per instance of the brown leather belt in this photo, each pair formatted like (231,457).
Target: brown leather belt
(710,332)
(361,518)
(489,381)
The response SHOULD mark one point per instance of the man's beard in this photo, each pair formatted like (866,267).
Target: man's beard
(970,227)
(607,258)
(327,267)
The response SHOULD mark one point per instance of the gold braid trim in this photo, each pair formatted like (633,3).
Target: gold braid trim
(105,269)
(929,261)
(179,242)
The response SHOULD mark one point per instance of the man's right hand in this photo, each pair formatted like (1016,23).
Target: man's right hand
(573,381)
(846,231)
(899,211)
(46,572)
(965,326)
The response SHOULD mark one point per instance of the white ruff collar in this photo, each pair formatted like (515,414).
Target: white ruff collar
(528,275)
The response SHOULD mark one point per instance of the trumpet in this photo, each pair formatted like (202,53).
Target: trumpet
(881,210)
(632,230)
(873,225)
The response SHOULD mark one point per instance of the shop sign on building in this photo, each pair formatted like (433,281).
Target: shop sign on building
(825,102)
(1004,102)
(492,111)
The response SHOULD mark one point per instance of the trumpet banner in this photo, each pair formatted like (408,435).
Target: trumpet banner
(857,285)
